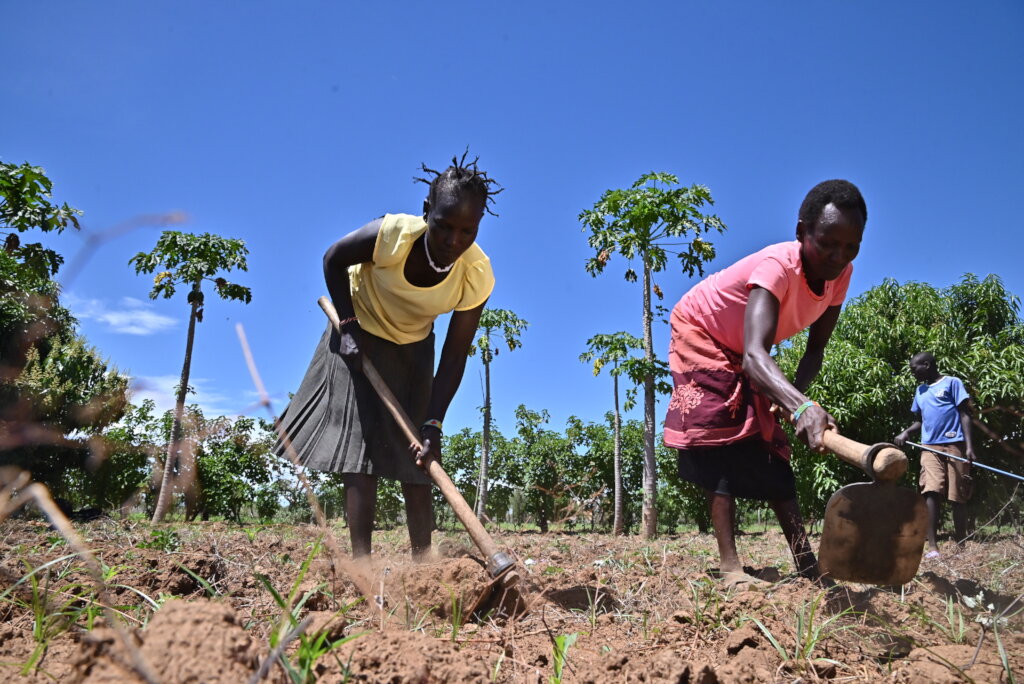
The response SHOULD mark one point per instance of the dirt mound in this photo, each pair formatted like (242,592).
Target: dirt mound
(446,588)
(195,641)
(664,668)
(403,657)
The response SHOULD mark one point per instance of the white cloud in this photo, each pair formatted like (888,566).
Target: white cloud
(161,388)
(129,316)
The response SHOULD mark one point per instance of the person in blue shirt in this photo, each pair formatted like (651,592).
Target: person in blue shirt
(944,419)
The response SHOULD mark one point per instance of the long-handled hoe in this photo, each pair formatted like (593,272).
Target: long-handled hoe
(501,566)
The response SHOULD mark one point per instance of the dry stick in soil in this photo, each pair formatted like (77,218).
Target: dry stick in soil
(16,493)
(500,565)
(338,558)
(994,517)
(272,657)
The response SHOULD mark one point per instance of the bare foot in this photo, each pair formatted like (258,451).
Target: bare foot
(741,581)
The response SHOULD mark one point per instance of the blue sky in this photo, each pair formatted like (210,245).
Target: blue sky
(290,124)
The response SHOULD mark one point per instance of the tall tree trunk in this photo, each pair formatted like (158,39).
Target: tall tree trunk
(617,460)
(650,514)
(485,444)
(163,502)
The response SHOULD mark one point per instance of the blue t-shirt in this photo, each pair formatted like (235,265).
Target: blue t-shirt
(937,404)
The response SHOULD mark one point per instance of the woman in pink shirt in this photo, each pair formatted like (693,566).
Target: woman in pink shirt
(725,380)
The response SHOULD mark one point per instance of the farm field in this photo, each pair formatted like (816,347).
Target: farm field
(200,599)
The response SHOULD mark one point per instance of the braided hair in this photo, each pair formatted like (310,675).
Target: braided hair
(461,178)
(841,193)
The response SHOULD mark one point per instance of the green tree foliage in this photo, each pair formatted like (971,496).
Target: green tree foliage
(26,204)
(549,473)
(496,326)
(267,502)
(233,460)
(462,461)
(129,450)
(615,349)
(597,446)
(648,222)
(52,384)
(973,328)
(189,260)
(547,477)
(678,501)
(64,385)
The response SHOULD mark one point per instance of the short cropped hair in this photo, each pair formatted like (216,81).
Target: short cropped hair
(925,357)
(842,193)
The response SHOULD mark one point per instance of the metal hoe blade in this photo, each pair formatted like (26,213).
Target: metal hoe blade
(873,533)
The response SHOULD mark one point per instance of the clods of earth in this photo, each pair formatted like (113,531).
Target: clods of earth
(211,602)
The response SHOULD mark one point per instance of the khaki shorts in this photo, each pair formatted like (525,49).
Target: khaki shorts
(946,476)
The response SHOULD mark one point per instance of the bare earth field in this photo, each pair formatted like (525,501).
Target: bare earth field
(590,608)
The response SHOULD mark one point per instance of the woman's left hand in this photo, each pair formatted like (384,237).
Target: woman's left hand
(431,438)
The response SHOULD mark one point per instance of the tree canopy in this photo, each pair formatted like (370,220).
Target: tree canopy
(974,330)
(52,383)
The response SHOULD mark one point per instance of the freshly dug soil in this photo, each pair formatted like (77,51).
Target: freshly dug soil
(590,608)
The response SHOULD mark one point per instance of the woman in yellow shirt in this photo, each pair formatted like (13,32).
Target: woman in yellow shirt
(389,280)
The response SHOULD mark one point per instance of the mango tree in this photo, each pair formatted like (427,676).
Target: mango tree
(653,219)
(546,459)
(233,461)
(974,329)
(54,387)
(189,260)
(495,325)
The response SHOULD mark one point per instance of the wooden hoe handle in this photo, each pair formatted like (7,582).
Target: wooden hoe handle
(882,461)
(463,512)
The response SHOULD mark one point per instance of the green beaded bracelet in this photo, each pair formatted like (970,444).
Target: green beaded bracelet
(803,407)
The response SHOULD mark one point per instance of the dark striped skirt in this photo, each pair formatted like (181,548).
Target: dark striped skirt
(336,422)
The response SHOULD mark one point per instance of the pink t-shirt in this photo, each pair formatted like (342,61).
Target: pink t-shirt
(719,302)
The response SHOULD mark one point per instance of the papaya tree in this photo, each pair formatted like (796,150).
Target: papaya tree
(189,260)
(614,349)
(647,223)
(496,326)
(29,309)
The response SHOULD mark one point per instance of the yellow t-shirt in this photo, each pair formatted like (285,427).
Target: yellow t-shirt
(389,307)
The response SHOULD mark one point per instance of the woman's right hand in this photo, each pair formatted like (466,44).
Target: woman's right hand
(811,427)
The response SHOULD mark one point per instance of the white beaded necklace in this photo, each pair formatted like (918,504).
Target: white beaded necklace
(437,269)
